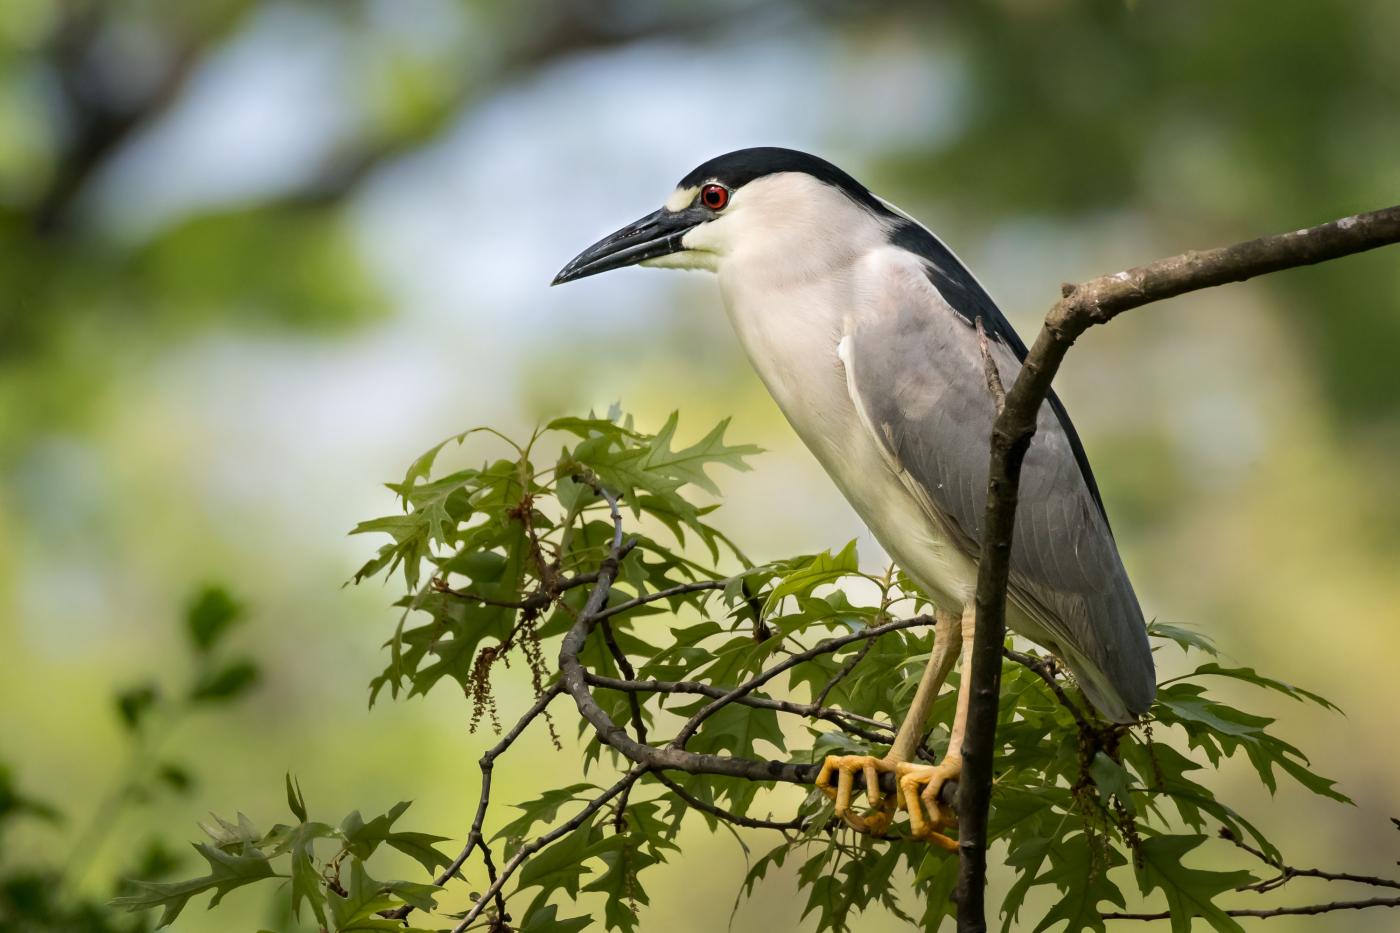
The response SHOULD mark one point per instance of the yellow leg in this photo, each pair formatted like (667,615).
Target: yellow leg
(846,767)
(920,784)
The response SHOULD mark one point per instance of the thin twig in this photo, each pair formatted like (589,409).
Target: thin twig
(639,726)
(1288,872)
(680,590)
(574,679)
(475,838)
(758,680)
(540,599)
(796,823)
(630,675)
(846,722)
(1302,910)
(820,699)
(530,848)
(1045,670)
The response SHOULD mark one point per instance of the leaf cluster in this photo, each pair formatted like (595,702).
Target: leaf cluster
(336,889)
(498,559)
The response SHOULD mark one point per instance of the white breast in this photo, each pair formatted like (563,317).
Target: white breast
(792,330)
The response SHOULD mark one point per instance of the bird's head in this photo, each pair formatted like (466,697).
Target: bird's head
(769,204)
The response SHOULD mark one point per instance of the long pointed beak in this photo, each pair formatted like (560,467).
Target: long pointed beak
(656,234)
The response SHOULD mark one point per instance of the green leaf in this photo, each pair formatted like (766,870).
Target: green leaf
(1249,675)
(1185,638)
(546,920)
(813,572)
(620,884)
(365,897)
(211,613)
(134,703)
(227,872)
(1190,705)
(688,464)
(295,801)
(542,809)
(177,777)
(562,865)
(420,848)
(363,838)
(1190,892)
(1079,873)
(307,882)
(1112,780)
(225,683)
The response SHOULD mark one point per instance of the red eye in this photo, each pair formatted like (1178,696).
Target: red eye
(715,197)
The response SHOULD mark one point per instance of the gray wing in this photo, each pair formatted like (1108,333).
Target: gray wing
(916,373)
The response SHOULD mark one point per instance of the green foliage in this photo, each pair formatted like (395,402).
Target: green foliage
(498,559)
(337,890)
(41,898)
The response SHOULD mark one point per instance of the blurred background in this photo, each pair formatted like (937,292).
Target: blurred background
(255,256)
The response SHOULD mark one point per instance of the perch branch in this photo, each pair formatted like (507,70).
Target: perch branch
(1082,306)
(573,678)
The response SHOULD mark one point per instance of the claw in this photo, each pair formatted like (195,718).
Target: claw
(846,767)
(919,786)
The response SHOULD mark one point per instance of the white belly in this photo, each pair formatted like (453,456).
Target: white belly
(798,361)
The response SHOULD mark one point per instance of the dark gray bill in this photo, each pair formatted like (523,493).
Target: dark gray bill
(654,235)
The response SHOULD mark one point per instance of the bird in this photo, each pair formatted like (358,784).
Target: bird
(870,335)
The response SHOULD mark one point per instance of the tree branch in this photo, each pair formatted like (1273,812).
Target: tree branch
(846,722)
(475,838)
(679,590)
(748,822)
(1302,910)
(1288,872)
(574,679)
(530,848)
(1094,302)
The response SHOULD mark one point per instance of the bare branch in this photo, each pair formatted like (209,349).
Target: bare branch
(753,683)
(1094,302)
(475,839)
(530,848)
(846,722)
(1303,910)
(1044,668)
(680,590)
(841,675)
(1288,872)
(797,822)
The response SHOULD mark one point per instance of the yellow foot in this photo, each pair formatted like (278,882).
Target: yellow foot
(846,767)
(919,786)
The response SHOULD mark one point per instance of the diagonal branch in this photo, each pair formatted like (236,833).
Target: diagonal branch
(1095,302)
(846,722)
(530,848)
(1287,873)
(475,839)
(797,822)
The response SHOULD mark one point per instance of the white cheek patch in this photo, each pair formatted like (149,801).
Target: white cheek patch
(683,260)
(682,198)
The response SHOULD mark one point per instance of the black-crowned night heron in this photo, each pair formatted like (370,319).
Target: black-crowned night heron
(863,326)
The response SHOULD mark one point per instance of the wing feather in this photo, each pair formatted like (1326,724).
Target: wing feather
(916,374)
